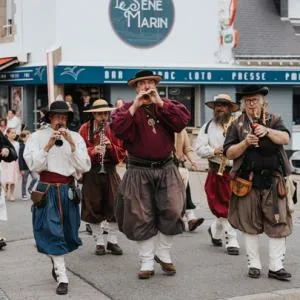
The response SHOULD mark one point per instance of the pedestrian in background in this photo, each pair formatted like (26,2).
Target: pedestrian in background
(10,172)
(184,151)
(25,172)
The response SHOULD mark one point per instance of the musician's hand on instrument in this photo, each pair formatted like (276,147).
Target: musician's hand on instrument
(260,131)
(218,151)
(54,136)
(4,152)
(251,139)
(99,149)
(107,143)
(155,98)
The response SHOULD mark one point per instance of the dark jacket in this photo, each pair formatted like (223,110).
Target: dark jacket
(5,143)
(22,163)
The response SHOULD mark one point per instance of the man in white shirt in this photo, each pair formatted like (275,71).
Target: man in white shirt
(59,156)
(14,122)
(209,145)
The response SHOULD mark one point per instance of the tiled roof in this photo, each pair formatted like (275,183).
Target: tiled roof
(262,32)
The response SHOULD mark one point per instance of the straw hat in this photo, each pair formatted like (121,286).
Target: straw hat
(143,75)
(100,105)
(223,98)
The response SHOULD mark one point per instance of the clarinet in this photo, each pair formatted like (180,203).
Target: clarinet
(101,144)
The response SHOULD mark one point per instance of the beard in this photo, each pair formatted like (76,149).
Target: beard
(222,118)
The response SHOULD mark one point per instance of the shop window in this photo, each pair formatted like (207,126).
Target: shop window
(4,102)
(296,106)
(185,95)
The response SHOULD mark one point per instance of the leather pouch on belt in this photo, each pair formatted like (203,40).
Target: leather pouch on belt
(281,188)
(240,187)
(39,198)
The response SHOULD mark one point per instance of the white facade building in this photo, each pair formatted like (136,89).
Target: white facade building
(103,43)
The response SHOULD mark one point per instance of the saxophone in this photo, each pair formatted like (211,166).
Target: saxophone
(223,157)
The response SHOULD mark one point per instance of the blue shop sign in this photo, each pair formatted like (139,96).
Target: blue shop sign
(142,23)
(111,75)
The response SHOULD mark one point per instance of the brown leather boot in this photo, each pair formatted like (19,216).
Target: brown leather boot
(145,274)
(100,250)
(168,268)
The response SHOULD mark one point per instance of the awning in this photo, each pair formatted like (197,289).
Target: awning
(6,62)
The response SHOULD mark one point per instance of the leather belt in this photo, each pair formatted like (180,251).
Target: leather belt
(138,162)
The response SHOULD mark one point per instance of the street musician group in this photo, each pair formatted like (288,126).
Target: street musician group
(244,186)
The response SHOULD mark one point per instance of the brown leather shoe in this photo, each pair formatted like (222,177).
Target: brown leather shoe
(193,224)
(168,268)
(114,249)
(145,274)
(100,250)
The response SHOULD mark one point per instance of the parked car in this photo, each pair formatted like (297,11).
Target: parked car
(295,162)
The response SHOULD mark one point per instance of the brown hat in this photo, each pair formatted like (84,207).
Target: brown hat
(100,105)
(223,98)
(143,75)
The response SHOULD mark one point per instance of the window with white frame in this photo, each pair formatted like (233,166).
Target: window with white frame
(7,10)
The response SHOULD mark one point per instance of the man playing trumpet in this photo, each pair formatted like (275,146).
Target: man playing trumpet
(209,145)
(259,158)
(100,184)
(150,202)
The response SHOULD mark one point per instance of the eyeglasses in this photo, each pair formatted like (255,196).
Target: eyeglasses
(251,100)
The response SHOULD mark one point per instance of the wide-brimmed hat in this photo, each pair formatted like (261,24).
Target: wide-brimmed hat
(143,75)
(223,98)
(252,89)
(100,105)
(57,107)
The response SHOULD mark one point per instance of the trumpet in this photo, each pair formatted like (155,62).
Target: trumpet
(102,145)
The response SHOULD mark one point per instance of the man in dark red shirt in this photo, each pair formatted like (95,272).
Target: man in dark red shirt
(150,202)
(100,184)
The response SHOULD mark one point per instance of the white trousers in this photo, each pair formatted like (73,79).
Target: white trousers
(60,268)
(221,227)
(112,229)
(277,249)
(159,245)
(190,214)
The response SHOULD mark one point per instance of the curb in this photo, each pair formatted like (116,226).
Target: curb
(291,294)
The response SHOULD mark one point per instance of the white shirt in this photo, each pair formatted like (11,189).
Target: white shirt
(16,123)
(207,143)
(59,160)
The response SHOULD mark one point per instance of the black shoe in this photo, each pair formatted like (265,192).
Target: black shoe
(62,289)
(114,249)
(254,273)
(281,274)
(53,271)
(2,243)
(88,229)
(233,250)
(215,242)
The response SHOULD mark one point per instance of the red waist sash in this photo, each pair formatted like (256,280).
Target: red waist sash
(51,177)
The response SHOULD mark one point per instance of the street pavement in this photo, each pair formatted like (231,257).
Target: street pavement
(203,272)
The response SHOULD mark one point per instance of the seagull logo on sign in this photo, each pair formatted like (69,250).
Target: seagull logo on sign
(142,23)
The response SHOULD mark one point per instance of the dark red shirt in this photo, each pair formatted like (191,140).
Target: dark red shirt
(113,155)
(138,136)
